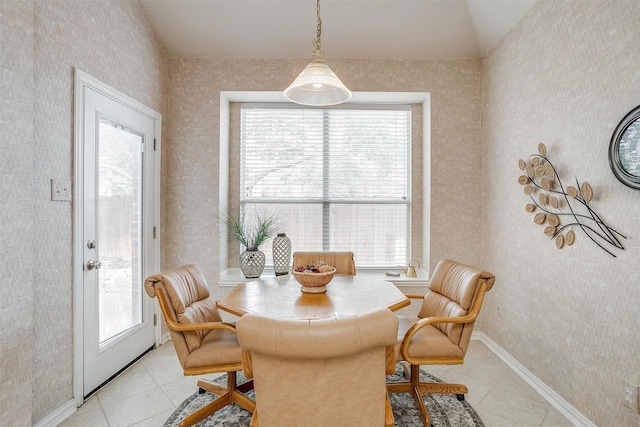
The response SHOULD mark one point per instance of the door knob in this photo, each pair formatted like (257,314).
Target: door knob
(93,264)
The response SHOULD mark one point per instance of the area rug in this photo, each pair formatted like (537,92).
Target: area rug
(444,409)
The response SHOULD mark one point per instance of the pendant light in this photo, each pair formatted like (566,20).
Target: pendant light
(317,85)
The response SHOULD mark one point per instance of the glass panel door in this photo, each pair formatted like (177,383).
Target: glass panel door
(120,160)
(117,193)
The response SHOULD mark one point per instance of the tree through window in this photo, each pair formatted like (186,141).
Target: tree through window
(339,177)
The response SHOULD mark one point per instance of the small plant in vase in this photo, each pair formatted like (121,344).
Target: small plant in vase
(251,234)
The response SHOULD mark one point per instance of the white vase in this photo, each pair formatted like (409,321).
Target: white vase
(281,254)
(252,263)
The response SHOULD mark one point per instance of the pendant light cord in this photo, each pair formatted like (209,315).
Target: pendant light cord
(319,36)
(317,85)
(318,54)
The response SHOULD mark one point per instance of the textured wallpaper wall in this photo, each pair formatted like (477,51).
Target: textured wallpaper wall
(16,210)
(565,76)
(190,150)
(111,41)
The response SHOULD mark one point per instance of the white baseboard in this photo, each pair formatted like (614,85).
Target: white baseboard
(564,407)
(59,415)
(165,337)
(65,411)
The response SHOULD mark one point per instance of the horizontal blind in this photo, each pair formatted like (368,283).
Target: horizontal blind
(338,176)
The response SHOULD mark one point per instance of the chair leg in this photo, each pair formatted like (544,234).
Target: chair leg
(254,419)
(418,388)
(226,396)
(389,421)
(207,410)
(440,388)
(245,387)
(414,379)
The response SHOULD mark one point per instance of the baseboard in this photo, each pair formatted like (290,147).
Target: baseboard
(564,407)
(165,337)
(59,415)
(65,411)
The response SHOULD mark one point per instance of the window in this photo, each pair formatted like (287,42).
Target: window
(340,176)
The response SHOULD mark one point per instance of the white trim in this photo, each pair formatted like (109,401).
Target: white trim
(165,337)
(155,267)
(227,97)
(426,184)
(78,202)
(564,407)
(59,415)
(82,81)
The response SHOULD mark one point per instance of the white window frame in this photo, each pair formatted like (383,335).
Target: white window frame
(227,97)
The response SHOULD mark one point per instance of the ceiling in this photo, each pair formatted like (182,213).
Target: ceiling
(358,29)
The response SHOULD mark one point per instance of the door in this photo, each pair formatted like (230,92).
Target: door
(117,207)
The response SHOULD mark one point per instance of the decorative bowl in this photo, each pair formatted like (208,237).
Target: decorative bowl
(314,282)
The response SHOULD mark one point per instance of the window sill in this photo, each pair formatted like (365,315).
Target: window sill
(233,276)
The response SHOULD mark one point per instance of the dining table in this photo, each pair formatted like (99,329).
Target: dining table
(282,297)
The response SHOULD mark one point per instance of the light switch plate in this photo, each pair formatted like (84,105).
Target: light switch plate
(60,190)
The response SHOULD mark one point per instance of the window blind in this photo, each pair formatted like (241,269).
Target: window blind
(339,177)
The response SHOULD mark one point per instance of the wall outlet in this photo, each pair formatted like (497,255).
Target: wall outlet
(499,309)
(630,397)
(60,190)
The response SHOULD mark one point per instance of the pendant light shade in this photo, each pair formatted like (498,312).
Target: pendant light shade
(317,85)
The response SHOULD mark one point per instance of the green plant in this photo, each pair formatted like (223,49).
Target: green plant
(253,232)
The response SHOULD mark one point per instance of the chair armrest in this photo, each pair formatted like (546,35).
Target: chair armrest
(468,318)
(413,296)
(200,326)
(391,359)
(247,365)
(430,321)
(172,324)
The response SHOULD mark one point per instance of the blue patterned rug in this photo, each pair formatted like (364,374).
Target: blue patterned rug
(444,409)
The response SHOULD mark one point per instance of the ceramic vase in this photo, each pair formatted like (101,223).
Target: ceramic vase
(252,263)
(281,254)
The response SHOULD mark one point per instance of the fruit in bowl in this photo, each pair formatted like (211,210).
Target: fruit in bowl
(314,278)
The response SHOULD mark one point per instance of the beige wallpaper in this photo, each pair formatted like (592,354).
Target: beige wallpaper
(42,42)
(16,210)
(190,152)
(565,76)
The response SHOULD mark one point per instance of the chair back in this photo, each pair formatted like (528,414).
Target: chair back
(324,372)
(455,290)
(343,262)
(183,296)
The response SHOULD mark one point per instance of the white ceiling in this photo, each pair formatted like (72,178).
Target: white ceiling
(371,29)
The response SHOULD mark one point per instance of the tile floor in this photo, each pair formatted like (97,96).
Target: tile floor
(147,393)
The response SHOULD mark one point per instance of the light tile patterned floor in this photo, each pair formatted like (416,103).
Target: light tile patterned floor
(147,393)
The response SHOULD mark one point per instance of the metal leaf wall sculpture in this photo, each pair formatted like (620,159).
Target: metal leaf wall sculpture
(551,201)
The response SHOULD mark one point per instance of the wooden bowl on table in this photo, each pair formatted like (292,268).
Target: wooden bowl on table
(314,282)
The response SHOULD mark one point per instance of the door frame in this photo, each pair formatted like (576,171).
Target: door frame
(82,82)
